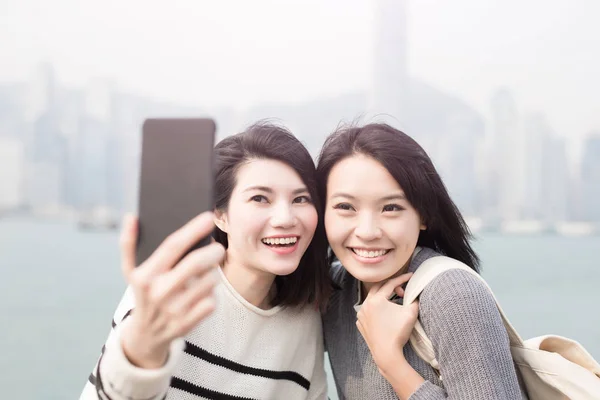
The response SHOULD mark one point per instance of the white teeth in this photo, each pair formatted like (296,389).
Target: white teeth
(370,254)
(288,240)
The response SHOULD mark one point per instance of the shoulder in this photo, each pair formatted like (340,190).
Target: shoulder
(455,293)
(458,310)
(457,307)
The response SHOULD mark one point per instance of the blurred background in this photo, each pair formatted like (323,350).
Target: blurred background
(503,94)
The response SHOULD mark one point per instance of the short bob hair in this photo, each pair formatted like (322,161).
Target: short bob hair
(309,283)
(447,231)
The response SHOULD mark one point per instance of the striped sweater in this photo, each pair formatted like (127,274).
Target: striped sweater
(239,352)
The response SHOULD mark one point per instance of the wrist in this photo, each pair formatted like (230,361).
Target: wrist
(403,378)
(392,363)
(142,354)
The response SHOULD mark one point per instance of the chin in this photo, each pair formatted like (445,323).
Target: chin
(369,274)
(281,269)
(370,277)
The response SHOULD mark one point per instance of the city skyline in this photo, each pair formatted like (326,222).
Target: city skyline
(545,52)
(504,164)
(94,111)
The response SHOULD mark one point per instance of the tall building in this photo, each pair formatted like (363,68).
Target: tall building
(96,163)
(590,177)
(12,121)
(454,155)
(546,172)
(46,146)
(508,157)
(41,92)
(389,90)
(11,173)
(447,128)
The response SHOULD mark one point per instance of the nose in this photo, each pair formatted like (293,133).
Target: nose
(367,228)
(283,216)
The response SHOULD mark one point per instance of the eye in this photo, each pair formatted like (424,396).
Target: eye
(343,207)
(392,207)
(259,198)
(302,199)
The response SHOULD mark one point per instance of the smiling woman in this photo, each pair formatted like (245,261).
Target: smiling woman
(382,224)
(251,329)
(378,228)
(268,223)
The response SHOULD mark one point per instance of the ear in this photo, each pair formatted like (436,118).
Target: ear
(220,220)
(423,226)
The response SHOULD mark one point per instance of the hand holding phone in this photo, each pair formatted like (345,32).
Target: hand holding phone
(169,245)
(173,291)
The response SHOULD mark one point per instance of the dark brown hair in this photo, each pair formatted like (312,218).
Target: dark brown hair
(309,283)
(447,231)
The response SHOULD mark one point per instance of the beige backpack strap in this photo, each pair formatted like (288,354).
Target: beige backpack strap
(425,274)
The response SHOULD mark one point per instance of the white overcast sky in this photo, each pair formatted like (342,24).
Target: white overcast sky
(241,52)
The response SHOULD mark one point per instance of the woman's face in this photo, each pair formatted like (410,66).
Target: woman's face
(270,219)
(371,227)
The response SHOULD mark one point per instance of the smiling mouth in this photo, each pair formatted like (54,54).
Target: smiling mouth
(369,253)
(281,242)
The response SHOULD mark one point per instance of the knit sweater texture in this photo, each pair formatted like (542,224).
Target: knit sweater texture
(239,352)
(459,315)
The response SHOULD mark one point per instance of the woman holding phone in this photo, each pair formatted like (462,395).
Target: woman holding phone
(239,318)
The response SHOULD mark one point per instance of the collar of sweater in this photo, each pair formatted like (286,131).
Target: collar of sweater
(238,298)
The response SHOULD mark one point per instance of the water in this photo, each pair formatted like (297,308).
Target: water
(59,287)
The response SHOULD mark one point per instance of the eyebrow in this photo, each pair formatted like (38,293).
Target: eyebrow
(269,190)
(395,196)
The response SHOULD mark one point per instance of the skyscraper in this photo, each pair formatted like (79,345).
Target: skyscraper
(389,88)
(508,158)
(590,177)
(11,173)
(546,172)
(46,146)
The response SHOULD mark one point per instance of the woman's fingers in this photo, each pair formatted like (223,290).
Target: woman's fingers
(194,265)
(389,287)
(399,291)
(178,243)
(127,242)
(172,293)
(413,309)
(195,290)
(196,314)
(361,329)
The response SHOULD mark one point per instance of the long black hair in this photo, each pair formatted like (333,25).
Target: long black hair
(447,231)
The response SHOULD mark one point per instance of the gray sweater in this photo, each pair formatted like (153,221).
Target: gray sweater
(460,316)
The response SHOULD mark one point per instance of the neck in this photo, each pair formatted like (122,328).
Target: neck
(366,286)
(253,285)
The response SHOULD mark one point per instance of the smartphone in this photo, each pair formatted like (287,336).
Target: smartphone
(176,178)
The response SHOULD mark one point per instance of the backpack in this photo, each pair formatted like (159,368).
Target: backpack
(550,367)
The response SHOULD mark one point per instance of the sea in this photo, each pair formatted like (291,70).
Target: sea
(59,286)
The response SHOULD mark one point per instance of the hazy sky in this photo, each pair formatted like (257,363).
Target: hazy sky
(241,52)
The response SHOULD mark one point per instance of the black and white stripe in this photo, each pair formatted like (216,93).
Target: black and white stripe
(96,379)
(238,353)
(199,353)
(222,362)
